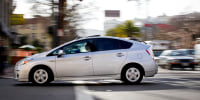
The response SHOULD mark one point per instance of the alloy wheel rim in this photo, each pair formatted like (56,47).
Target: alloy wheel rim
(40,76)
(132,74)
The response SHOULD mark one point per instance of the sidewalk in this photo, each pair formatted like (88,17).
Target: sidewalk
(9,72)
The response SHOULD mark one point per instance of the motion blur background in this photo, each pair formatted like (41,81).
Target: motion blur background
(28,27)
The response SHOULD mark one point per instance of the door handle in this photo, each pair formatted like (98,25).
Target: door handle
(120,54)
(87,58)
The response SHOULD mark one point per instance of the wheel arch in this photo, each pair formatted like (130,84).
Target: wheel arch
(135,65)
(41,66)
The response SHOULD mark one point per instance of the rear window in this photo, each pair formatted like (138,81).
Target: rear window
(125,44)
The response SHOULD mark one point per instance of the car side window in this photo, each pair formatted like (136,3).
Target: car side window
(77,47)
(82,46)
(103,44)
(125,44)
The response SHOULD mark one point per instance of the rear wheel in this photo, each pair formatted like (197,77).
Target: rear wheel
(40,76)
(132,75)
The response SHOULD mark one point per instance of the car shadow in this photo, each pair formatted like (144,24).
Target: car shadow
(111,86)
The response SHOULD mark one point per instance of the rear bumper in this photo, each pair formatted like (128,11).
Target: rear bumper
(153,71)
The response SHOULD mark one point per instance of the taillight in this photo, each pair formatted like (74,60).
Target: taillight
(148,52)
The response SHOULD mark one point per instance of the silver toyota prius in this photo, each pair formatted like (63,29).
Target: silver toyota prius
(91,58)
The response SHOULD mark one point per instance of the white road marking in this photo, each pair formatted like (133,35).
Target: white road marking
(81,93)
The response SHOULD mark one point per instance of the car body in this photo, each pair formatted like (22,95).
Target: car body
(90,58)
(176,58)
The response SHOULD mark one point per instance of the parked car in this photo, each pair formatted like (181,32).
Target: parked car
(90,58)
(189,52)
(176,58)
(197,53)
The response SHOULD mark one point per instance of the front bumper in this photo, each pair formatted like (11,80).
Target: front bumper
(21,73)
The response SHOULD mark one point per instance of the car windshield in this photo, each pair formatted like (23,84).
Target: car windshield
(191,52)
(178,53)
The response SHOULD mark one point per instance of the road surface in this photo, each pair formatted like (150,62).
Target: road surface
(166,85)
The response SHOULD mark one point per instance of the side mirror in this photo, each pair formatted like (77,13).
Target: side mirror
(60,52)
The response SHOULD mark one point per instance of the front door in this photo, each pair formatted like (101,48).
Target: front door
(76,60)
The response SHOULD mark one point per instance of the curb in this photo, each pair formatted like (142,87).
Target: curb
(9,72)
(6,77)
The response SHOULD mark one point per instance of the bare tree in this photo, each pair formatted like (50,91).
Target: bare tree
(73,17)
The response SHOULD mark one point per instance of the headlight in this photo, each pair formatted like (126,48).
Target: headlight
(26,61)
(23,62)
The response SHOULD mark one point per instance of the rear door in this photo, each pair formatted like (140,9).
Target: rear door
(109,56)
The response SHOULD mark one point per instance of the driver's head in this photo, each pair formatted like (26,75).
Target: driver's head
(88,46)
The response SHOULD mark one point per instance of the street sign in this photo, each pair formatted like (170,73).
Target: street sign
(60,32)
(17,19)
(112,13)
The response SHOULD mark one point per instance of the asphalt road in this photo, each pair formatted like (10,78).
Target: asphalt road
(166,85)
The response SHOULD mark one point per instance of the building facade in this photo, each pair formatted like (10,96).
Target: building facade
(36,29)
(6,8)
(111,23)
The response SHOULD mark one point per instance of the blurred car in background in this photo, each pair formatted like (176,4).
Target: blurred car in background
(197,53)
(176,58)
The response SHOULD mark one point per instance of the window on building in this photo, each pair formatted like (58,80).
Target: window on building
(34,26)
(34,36)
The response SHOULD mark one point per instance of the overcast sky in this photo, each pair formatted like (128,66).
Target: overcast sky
(129,9)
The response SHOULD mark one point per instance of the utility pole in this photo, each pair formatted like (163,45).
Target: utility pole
(61,13)
(53,28)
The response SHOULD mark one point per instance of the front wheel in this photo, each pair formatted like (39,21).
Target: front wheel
(132,75)
(40,76)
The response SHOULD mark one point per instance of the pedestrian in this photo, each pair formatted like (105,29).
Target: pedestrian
(3,56)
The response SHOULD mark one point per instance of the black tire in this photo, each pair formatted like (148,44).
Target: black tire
(125,77)
(193,67)
(44,73)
